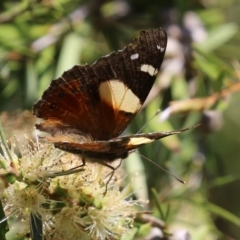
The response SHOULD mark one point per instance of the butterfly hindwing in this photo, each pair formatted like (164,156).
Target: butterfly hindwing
(107,151)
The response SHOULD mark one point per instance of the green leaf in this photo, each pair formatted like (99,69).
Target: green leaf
(136,170)
(223,213)
(36,227)
(70,53)
(158,204)
(31,83)
(3,225)
(219,36)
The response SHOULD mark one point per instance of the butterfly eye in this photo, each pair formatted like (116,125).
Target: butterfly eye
(52,105)
(61,94)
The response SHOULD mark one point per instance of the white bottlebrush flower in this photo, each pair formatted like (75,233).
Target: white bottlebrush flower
(91,212)
(69,201)
(68,224)
(38,161)
(107,217)
(20,202)
(113,219)
(25,172)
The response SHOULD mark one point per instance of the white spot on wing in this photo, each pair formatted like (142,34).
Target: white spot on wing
(134,56)
(149,69)
(160,48)
(119,96)
(140,140)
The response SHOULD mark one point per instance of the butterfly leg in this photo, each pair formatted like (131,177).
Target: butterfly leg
(72,170)
(110,174)
(77,167)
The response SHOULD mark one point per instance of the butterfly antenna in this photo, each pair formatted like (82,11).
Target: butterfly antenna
(155,114)
(151,161)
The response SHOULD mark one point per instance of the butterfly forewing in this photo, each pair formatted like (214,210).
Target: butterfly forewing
(100,100)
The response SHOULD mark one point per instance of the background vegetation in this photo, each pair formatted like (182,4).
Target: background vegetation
(41,39)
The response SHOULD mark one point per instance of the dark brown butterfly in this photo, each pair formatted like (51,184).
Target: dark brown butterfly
(88,107)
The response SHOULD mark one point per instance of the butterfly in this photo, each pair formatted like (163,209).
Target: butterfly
(89,106)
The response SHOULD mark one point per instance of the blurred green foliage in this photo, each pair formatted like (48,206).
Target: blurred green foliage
(41,39)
